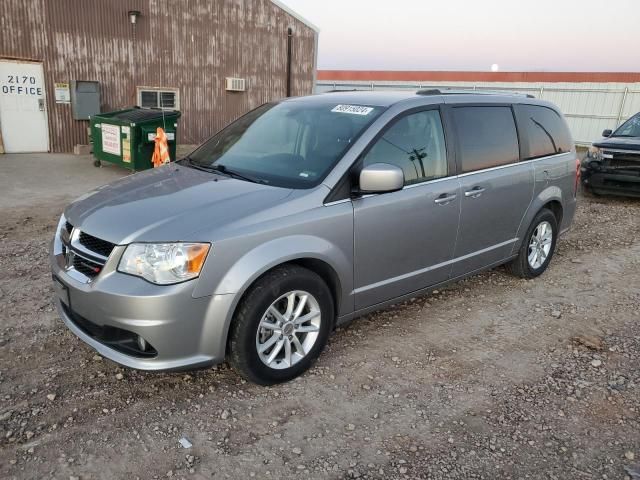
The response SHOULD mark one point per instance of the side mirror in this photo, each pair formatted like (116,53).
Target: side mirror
(607,133)
(380,178)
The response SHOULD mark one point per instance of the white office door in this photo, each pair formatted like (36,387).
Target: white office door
(23,107)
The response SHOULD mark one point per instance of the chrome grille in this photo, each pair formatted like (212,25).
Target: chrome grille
(84,253)
(97,245)
(86,266)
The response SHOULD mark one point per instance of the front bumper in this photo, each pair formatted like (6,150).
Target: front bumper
(110,311)
(612,183)
(616,174)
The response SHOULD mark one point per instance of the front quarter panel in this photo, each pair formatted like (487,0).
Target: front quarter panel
(323,233)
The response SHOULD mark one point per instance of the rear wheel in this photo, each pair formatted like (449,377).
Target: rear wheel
(281,325)
(538,246)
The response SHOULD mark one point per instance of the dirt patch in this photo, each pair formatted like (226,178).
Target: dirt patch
(483,379)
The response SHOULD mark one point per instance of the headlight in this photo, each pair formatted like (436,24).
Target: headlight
(594,153)
(164,263)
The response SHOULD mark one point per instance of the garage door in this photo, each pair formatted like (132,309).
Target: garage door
(23,115)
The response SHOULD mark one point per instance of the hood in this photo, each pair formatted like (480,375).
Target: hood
(621,143)
(167,204)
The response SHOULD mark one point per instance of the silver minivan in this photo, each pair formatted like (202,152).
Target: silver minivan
(306,213)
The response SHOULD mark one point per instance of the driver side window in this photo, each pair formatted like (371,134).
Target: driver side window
(415,143)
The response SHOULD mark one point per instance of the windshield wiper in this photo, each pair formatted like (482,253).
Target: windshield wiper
(223,169)
(232,173)
(190,163)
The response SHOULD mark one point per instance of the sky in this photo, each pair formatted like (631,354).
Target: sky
(516,35)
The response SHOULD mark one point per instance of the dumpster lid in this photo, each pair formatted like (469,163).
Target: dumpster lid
(145,114)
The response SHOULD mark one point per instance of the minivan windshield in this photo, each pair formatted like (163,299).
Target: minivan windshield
(630,128)
(292,144)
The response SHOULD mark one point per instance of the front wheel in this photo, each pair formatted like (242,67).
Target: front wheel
(281,325)
(538,246)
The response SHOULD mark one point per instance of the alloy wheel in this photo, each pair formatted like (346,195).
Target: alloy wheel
(540,245)
(288,329)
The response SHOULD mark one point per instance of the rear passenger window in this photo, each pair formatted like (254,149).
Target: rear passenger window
(487,137)
(544,132)
(415,143)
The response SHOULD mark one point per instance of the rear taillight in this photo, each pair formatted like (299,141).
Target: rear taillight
(575,187)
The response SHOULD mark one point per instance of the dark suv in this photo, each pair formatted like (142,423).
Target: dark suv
(612,165)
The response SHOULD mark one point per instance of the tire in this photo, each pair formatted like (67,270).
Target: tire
(522,266)
(256,324)
(97,163)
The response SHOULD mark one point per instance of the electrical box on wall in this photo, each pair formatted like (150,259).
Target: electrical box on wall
(85,99)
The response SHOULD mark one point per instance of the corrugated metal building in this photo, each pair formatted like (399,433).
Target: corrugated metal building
(144,52)
(591,101)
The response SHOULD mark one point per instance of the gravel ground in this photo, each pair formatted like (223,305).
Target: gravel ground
(493,377)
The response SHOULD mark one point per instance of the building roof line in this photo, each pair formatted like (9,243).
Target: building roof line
(475,76)
(295,14)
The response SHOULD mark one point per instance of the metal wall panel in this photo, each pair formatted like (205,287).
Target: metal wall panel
(590,107)
(191,45)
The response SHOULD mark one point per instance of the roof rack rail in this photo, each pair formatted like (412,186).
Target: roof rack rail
(342,90)
(463,91)
(429,91)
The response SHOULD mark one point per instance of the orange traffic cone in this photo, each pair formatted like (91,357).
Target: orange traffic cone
(161,150)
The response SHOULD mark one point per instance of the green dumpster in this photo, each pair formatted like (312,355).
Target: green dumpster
(126,137)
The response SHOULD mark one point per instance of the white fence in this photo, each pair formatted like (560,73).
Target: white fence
(589,108)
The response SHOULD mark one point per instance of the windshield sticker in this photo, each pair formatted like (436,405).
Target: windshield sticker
(353,109)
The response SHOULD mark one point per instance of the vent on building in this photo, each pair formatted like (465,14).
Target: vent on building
(235,84)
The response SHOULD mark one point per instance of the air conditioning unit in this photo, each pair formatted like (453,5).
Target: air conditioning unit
(235,84)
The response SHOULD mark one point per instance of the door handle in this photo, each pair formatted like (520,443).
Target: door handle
(445,198)
(41,104)
(474,192)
